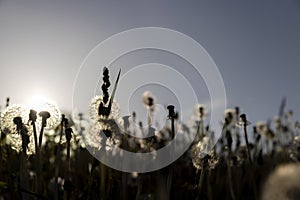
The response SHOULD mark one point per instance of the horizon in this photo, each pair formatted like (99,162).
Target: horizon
(254,45)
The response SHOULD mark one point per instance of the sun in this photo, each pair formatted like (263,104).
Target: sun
(37,102)
(41,103)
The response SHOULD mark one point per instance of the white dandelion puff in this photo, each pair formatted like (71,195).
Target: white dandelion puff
(283,183)
(200,111)
(230,117)
(10,113)
(94,106)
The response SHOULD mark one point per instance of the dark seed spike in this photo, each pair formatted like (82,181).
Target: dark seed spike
(105,85)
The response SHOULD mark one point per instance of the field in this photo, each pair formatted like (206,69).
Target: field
(44,154)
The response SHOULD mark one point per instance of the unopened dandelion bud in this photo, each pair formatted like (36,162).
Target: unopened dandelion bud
(32,115)
(45,115)
(171,110)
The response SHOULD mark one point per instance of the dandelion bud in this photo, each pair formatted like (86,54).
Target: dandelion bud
(32,115)
(45,115)
(243,118)
(243,121)
(172,113)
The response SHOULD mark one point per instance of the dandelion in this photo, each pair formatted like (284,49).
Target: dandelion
(283,183)
(103,134)
(200,111)
(264,129)
(54,114)
(148,99)
(94,105)
(230,117)
(7,117)
(17,114)
(172,116)
(109,126)
(203,157)
(261,127)
(244,121)
(294,149)
(198,118)
(45,115)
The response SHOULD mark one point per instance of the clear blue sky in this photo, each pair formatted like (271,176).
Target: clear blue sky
(255,44)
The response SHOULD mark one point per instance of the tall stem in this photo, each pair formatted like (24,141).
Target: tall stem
(230,179)
(41,136)
(58,161)
(37,160)
(200,184)
(247,143)
(171,168)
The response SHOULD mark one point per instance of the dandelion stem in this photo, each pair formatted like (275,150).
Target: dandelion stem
(58,160)
(41,136)
(209,188)
(230,179)
(140,186)
(200,184)
(102,179)
(37,160)
(247,143)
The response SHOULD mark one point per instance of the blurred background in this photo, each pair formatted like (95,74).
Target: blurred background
(255,45)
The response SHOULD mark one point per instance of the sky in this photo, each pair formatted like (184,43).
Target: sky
(255,45)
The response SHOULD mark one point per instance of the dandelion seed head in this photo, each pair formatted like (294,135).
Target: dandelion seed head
(96,138)
(243,121)
(230,117)
(202,155)
(283,183)
(148,99)
(94,105)
(41,104)
(261,127)
(15,141)
(11,112)
(294,149)
(55,114)
(200,111)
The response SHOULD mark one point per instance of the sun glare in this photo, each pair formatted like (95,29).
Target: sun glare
(38,102)
(41,103)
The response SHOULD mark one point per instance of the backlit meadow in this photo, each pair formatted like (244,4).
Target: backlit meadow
(43,152)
